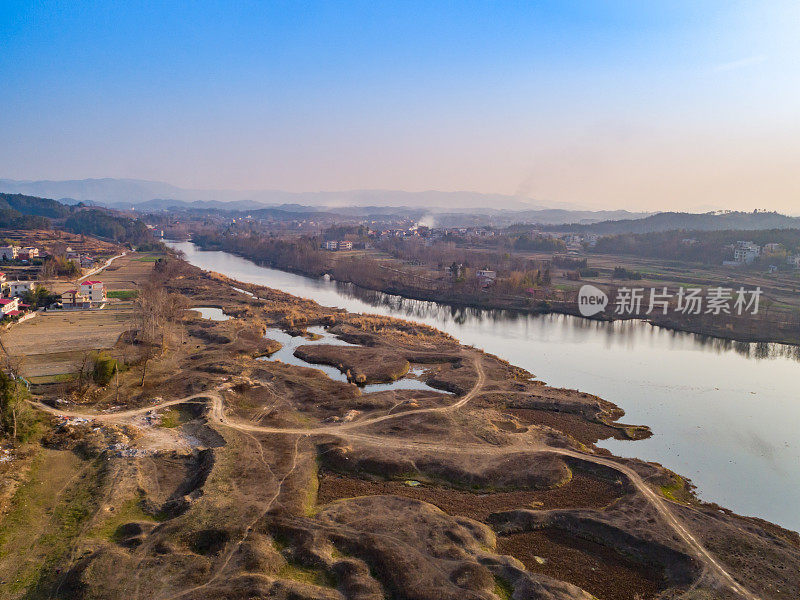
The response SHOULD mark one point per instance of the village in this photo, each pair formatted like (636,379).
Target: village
(51,276)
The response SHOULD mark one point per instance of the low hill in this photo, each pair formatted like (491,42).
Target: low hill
(18,211)
(32,205)
(671,221)
(107,224)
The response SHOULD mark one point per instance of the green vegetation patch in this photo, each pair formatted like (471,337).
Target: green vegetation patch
(49,511)
(129,512)
(677,490)
(313,576)
(17,419)
(171,419)
(123,294)
(58,378)
(311,492)
(502,589)
(105,367)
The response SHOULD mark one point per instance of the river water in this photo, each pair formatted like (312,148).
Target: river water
(724,414)
(290,343)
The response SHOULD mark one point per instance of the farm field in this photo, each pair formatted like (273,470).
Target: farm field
(127,272)
(55,342)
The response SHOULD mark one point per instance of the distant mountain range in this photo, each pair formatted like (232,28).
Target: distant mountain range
(449,207)
(671,221)
(440,217)
(125,193)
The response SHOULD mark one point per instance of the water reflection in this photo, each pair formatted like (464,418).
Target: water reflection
(627,333)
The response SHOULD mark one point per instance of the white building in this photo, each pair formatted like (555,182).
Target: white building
(746,252)
(794,261)
(332,245)
(94,291)
(345,245)
(8,252)
(8,305)
(18,288)
(485,277)
(29,253)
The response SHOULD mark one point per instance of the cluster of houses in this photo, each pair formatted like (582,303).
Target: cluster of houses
(29,253)
(83,260)
(746,253)
(11,304)
(88,294)
(9,253)
(430,233)
(335,245)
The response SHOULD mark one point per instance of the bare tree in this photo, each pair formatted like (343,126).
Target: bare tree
(157,309)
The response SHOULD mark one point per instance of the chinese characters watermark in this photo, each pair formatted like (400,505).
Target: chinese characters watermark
(687,301)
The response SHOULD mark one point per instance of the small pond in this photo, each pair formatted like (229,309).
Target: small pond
(210,312)
(290,344)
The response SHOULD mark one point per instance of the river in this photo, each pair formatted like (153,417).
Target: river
(724,414)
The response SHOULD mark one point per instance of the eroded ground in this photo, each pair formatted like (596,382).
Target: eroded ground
(216,474)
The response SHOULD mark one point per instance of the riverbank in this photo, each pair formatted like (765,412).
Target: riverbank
(745,329)
(721,411)
(500,416)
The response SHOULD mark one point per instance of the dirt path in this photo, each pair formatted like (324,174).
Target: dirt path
(345,431)
(105,265)
(661,507)
(253,523)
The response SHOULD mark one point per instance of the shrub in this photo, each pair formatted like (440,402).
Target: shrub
(17,419)
(104,368)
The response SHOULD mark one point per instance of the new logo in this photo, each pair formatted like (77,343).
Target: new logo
(591,300)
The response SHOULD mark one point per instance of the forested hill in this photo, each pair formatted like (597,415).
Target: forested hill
(671,221)
(18,211)
(107,224)
(25,212)
(33,206)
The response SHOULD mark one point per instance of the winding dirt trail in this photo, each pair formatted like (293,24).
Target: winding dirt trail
(217,415)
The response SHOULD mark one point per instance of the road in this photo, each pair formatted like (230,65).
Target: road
(96,270)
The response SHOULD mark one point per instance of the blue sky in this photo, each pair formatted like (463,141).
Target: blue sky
(613,104)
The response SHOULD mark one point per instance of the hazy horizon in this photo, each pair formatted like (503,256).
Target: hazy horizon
(611,106)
